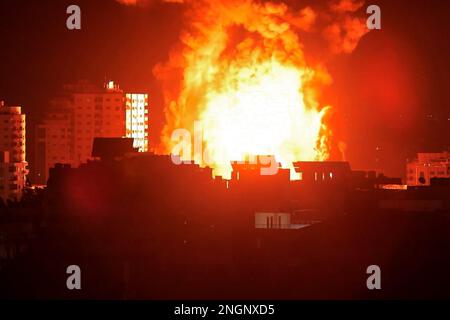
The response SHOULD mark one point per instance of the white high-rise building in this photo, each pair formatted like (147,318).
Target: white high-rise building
(137,119)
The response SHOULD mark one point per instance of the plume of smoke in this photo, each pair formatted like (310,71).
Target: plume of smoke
(144,3)
(345,31)
(344,6)
(271,29)
(131,2)
(342,32)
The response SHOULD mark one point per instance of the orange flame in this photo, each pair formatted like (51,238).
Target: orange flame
(241,71)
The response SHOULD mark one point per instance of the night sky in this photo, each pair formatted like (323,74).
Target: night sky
(392,91)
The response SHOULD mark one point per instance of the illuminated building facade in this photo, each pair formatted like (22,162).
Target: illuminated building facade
(428,165)
(137,119)
(13,165)
(84,112)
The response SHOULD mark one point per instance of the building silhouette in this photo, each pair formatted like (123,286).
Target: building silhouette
(146,228)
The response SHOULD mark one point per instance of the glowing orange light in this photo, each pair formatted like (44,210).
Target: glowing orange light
(137,120)
(242,73)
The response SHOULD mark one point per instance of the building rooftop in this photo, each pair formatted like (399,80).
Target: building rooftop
(4,109)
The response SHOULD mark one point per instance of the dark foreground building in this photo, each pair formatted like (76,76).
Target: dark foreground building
(140,227)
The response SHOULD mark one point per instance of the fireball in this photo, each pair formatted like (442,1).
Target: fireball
(240,71)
